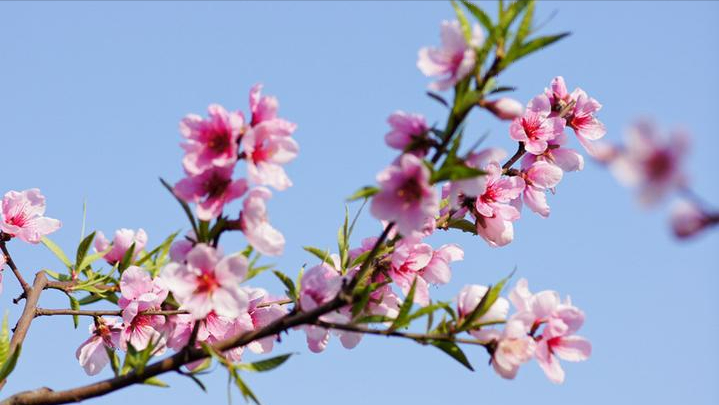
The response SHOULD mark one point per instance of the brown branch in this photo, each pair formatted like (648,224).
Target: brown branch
(417,337)
(518,154)
(25,286)
(28,313)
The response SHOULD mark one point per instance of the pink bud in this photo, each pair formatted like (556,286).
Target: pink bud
(505,108)
(688,219)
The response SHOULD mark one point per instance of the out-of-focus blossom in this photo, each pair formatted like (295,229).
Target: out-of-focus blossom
(689,219)
(210,190)
(23,216)
(454,60)
(208,282)
(406,129)
(651,163)
(405,195)
(537,127)
(92,353)
(124,238)
(211,142)
(505,108)
(256,226)
(262,316)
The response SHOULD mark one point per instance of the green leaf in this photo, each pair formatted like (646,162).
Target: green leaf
(244,389)
(403,316)
(127,258)
(463,23)
(463,225)
(4,340)
(364,192)
(289,284)
(55,249)
(165,245)
(196,380)
(361,303)
(184,205)
(114,360)
(480,15)
(264,365)
(156,382)
(323,255)
(9,364)
(531,46)
(455,172)
(511,14)
(489,298)
(82,249)
(453,351)
(525,26)
(74,304)
(428,310)
(373,319)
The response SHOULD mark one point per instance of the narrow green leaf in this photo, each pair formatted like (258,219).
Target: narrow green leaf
(183,204)
(4,340)
(364,192)
(55,249)
(9,364)
(373,319)
(156,382)
(82,249)
(403,315)
(164,245)
(453,351)
(480,15)
(530,47)
(84,218)
(463,225)
(455,172)
(525,27)
(428,310)
(323,255)
(511,14)
(463,23)
(127,258)
(489,298)
(244,389)
(289,284)
(264,365)
(74,304)
(361,303)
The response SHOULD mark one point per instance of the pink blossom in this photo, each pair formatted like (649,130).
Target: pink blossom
(264,111)
(124,238)
(406,129)
(505,108)
(538,178)
(22,216)
(263,316)
(437,270)
(144,330)
(536,127)
(566,159)
(651,163)
(208,282)
(580,116)
(319,285)
(139,292)
(471,295)
(256,226)
(405,196)
(92,353)
(512,347)
(688,219)
(211,142)
(476,186)
(407,262)
(180,328)
(454,60)
(210,190)
(180,249)
(494,210)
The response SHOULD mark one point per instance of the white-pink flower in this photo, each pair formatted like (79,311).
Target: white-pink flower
(124,238)
(536,127)
(262,316)
(208,282)
(651,162)
(407,129)
(538,178)
(210,190)
(144,330)
(566,159)
(454,60)
(471,295)
(494,210)
(405,195)
(139,292)
(267,145)
(211,142)
(319,285)
(92,353)
(23,216)
(255,224)
(511,348)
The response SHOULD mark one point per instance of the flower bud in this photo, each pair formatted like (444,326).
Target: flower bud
(505,108)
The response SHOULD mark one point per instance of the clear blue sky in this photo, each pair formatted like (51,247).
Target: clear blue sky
(91,95)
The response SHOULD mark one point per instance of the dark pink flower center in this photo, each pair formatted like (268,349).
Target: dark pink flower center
(659,165)
(206,283)
(410,191)
(219,142)
(216,185)
(532,126)
(263,151)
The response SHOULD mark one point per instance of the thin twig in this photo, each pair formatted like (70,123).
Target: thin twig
(418,337)
(23,284)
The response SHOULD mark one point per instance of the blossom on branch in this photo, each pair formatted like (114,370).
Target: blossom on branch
(23,216)
(454,60)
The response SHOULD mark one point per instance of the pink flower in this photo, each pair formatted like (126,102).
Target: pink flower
(211,142)
(92,353)
(538,178)
(139,292)
(536,127)
(180,249)
(437,270)
(406,129)
(454,60)
(688,219)
(256,226)
(267,144)
(405,196)
(210,190)
(473,187)
(505,108)
(407,262)
(566,159)
(494,210)
(263,316)
(580,116)
(22,216)
(471,295)
(124,238)
(512,347)
(208,282)
(319,285)
(651,163)
(144,330)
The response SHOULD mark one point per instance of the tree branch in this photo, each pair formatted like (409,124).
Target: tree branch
(417,337)
(23,284)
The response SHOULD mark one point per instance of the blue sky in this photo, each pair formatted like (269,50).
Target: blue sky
(91,95)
